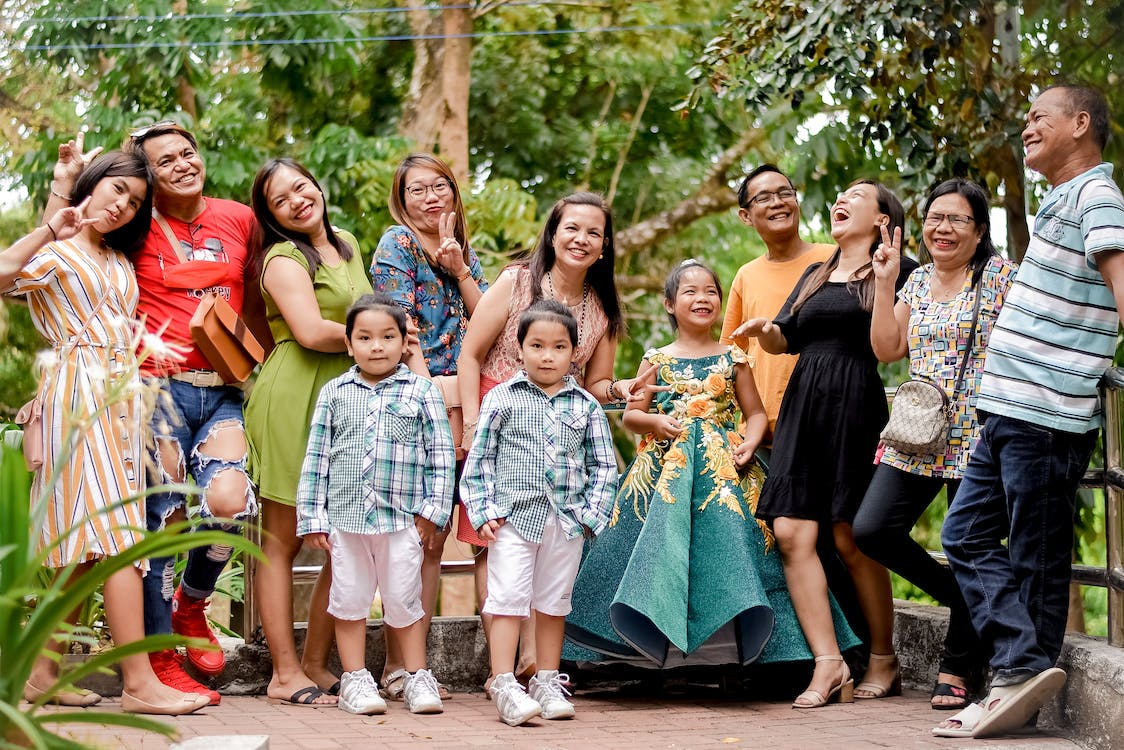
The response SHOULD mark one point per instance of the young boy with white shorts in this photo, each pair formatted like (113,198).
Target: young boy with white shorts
(377,481)
(541,475)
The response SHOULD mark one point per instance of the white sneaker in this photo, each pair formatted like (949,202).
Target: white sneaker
(420,693)
(359,694)
(515,707)
(548,688)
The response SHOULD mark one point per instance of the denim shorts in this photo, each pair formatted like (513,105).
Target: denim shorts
(189,415)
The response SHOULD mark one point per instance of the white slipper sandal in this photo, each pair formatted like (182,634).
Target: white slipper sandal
(1009,708)
(967,719)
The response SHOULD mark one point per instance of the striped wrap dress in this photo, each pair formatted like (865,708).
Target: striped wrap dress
(93,467)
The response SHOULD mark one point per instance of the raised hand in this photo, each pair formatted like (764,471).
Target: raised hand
(450,254)
(755,327)
(886,262)
(73,160)
(69,221)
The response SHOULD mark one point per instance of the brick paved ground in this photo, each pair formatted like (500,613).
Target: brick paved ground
(609,719)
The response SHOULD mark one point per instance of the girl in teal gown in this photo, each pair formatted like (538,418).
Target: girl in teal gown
(685,574)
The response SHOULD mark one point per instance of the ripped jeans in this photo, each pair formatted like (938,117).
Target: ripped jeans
(188,415)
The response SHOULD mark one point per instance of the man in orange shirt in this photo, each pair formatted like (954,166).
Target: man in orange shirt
(768,203)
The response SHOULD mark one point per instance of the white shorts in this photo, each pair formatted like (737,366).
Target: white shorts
(390,563)
(522,574)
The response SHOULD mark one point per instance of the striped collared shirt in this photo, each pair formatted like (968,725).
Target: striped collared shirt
(378,455)
(1056,333)
(536,454)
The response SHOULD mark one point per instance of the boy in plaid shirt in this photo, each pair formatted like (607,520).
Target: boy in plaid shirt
(541,475)
(377,481)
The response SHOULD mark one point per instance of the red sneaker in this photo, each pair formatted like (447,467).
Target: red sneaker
(168,666)
(188,618)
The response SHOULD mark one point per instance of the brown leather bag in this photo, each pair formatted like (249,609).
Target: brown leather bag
(447,384)
(224,339)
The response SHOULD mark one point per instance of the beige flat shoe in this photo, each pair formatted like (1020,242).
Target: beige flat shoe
(72,697)
(188,703)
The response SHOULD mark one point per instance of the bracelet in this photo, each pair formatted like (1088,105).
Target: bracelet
(613,393)
(54,237)
(59,195)
(465,275)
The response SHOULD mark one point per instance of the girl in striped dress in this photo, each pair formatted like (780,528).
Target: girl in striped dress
(82,294)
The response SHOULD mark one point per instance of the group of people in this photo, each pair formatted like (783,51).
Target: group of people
(759,519)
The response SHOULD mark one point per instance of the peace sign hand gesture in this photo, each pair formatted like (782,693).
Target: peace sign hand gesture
(72,160)
(450,255)
(71,220)
(887,258)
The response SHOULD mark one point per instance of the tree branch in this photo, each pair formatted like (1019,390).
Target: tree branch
(712,196)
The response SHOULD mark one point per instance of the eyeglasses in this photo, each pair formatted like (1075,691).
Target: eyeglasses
(956,221)
(138,133)
(766,196)
(441,188)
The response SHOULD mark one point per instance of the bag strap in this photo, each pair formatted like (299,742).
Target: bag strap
(971,341)
(170,235)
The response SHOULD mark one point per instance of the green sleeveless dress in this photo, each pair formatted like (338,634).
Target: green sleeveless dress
(685,574)
(279,409)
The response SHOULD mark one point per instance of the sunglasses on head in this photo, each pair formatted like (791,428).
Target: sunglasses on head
(138,133)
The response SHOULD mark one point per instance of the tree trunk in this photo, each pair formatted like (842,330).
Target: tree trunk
(423,110)
(455,82)
(1013,174)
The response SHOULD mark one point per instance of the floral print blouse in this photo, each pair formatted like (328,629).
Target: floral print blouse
(401,270)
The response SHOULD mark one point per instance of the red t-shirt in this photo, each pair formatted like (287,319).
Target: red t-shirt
(220,234)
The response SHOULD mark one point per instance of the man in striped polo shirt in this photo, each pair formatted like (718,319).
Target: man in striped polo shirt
(1052,342)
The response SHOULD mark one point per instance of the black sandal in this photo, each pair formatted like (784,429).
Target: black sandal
(952,691)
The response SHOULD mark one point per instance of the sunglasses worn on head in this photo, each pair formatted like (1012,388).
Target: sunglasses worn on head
(138,133)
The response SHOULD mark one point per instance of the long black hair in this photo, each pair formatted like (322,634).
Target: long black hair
(130,237)
(269,231)
(599,275)
(980,201)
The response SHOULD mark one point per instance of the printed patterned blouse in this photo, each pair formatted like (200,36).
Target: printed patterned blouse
(503,359)
(400,269)
(938,333)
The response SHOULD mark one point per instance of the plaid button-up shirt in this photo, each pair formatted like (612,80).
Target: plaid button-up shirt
(377,456)
(536,454)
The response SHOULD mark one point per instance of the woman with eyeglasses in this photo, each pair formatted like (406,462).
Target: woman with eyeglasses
(930,320)
(310,275)
(425,265)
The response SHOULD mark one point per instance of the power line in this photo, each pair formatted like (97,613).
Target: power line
(431,7)
(359,39)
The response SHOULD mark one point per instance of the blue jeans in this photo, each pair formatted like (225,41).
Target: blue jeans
(186,415)
(1019,486)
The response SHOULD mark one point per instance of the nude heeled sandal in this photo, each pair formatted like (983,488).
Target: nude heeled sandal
(881,691)
(841,693)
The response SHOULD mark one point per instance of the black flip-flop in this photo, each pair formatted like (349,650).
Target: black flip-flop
(952,691)
(334,689)
(306,696)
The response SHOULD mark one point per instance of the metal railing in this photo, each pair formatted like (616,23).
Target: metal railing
(1110,478)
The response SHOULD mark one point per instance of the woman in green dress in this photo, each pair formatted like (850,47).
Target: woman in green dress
(310,275)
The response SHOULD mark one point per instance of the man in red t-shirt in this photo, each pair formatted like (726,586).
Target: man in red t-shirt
(198,419)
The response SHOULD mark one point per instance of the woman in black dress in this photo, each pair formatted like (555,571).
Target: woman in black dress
(826,436)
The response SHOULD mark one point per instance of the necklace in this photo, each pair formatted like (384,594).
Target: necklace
(941,293)
(581,305)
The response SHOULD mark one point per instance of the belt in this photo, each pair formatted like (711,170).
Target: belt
(199,378)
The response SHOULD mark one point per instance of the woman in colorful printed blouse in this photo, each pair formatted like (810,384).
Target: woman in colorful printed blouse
(930,320)
(425,265)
